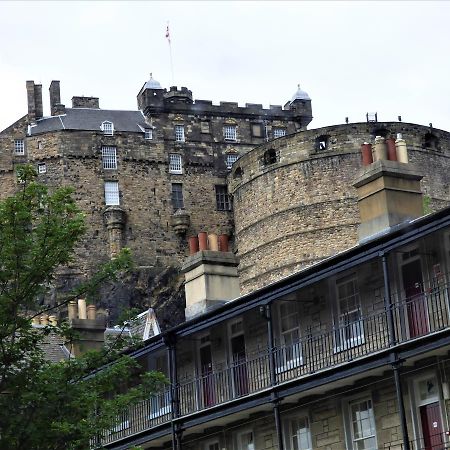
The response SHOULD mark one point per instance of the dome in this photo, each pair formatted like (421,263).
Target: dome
(152,84)
(300,95)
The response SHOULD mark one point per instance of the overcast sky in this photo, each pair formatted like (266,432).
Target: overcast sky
(351,57)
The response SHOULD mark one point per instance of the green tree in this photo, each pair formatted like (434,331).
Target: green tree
(46,405)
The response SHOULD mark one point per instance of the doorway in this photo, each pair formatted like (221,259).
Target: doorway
(206,371)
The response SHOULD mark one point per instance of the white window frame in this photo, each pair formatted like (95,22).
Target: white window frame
(238,440)
(231,158)
(148,134)
(230,133)
(348,418)
(42,168)
(296,359)
(291,434)
(179,133)
(175,163)
(342,342)
(109,157)
(278,132)
(107,128)
(160,405)
(19,147)
(177,207)
(112,193)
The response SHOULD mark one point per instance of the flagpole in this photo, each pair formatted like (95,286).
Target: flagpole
(170,53)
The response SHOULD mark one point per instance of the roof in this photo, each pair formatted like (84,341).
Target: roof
(91,119)
(300,95)
(53,347)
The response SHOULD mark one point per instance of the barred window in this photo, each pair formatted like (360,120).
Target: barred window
(175,163)
(109,157)
(148,133)
(179,133)
(231,158)
(222,198)
(42,168)
(279,132)
(108,128)
(112,193)
(177,196)
(229,132)
(19,147)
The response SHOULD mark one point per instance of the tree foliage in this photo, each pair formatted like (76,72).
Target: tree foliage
(45,405)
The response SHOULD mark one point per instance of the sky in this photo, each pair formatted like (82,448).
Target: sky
(350,57)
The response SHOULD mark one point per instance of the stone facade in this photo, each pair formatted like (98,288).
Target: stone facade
(294,203)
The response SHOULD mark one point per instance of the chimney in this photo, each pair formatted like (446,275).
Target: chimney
(56,107)
(211,279)
(388,191)
(31,101)
(85,102)
(38,101)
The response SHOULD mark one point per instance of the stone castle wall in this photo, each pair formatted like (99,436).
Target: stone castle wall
(300,207)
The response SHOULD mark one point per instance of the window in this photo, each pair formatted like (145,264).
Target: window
(40,146)
(160,405)
(229,132)
(205,127)
(175,163)
(246,441)
(108,128)
(322,142)
(109,157)
(222,198)
(19,147)
(42,168)
(350,329)
(279,132)
(212,445)
(231,158)
(148,133)
(179,133)
(299,434)
(362,425)
(290,354)
(257,130)
(270,157)
(112,193)
(177,196)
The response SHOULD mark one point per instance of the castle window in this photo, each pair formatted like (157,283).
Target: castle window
(257,130)
(431,141)
(175,163)
(204,127)
(270,157)
(238,174)
(230,132)
(322,142)
(112,193)
(42,168)
(223,202)
(108,128)
(177,196)
(40,146)
(19,147)
(279,132)
(109,157)
(231,158)
(179,133)
(148,134)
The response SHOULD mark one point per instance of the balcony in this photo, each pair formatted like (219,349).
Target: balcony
(407,320)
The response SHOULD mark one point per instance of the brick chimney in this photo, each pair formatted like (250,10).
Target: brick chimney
(211,279)
(34,98)
(85,102)
(389,191)
(56,107)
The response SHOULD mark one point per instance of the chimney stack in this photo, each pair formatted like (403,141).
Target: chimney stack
(34,98)
(56,107)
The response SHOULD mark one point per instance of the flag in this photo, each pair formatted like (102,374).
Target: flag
(167,33)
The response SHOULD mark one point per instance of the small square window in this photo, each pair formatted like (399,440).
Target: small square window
(112,193)
(175,163)
(205,127)
(179,133)
(42,168)
(19,147)
(231,158)
(222,198)
(177,196)
(109,157)
(279,132)
(230,132)
(257,130)
(108,128)
(148,134)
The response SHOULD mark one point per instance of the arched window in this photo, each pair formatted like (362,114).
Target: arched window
(107,128)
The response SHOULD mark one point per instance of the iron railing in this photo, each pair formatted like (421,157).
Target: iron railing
(433,441)
(423,314)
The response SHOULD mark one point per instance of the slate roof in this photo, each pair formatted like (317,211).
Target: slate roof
(91,119)
(53,347)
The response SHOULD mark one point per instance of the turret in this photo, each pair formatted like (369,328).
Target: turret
(151,94)
(300,104)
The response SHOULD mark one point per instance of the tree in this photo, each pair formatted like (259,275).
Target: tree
(46,405)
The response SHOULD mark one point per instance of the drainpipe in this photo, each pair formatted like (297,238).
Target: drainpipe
(396,363)
(267,313)
(172,357)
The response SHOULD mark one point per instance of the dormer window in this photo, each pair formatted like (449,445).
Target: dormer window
(148,133)
(107,128)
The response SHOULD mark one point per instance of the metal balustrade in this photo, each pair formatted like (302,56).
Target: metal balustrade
(437,441)
(415,317)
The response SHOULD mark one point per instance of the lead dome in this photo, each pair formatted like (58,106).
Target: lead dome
(152,84)
(300,95)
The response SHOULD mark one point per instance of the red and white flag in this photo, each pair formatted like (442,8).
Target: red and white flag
(167,33)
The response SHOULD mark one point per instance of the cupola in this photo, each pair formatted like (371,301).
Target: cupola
(300,95)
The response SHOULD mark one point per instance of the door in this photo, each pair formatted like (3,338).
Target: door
(416,305)
(240,376)
(207,376)
(432,431)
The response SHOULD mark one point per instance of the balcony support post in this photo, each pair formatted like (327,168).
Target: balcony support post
(401,405)
(388,300)
(170,341)
(278,427)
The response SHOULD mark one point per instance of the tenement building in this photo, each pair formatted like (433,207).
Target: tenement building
(350,353)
